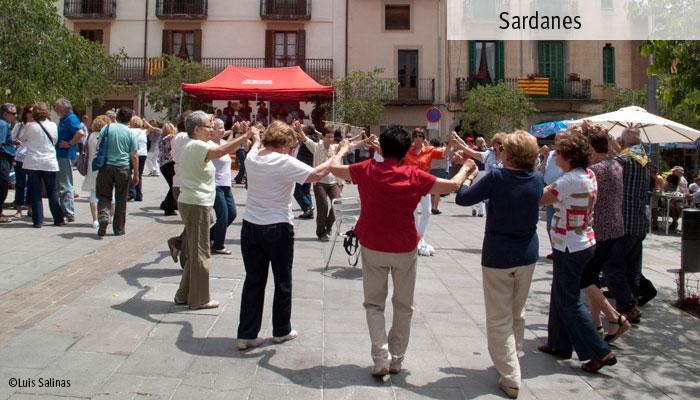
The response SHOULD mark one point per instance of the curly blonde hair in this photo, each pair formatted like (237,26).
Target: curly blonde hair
(99,122)
(136,122)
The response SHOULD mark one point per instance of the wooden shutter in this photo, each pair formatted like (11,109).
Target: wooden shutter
(269,47)
(500,61)
(301,48)
(197,56)
(167,41)
(472,56)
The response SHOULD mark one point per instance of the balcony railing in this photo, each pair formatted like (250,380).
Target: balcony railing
(132,68)
(285,9)
(181,9)
(558,88)
(90,9)
(422,93)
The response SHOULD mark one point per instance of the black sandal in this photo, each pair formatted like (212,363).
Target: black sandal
(595,365)
(623,326)
(545,348)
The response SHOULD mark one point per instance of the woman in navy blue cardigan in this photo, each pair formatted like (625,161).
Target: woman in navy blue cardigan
(510,249)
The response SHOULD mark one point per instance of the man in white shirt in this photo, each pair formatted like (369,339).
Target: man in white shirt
(327,188)
(683,183)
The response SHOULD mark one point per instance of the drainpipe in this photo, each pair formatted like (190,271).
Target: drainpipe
(347,29)
(145,57)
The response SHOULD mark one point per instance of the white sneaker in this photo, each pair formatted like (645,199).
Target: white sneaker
(95,224)
(244,344)
(290,336)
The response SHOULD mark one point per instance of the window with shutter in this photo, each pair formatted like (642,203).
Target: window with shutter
(487,61)
(609,64)
(397,17)
(184,44)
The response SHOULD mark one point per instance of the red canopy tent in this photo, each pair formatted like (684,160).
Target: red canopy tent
(271,84)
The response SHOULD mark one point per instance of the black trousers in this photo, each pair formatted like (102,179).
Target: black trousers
(5,168)
(168,171)
(262,246)
(623,271)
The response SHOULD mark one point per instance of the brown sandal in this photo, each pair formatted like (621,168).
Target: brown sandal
(596,364)
(623,325)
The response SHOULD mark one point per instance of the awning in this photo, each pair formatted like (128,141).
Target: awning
(271,84)
(547,128)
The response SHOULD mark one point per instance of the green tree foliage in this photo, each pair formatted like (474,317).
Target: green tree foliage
(359,97)
(164,86)
(493,108)
(41,59)
(625,98)
(677,63)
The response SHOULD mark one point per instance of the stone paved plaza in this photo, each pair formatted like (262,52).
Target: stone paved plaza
(100,314)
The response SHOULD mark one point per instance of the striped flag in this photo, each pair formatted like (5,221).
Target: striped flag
(538,86)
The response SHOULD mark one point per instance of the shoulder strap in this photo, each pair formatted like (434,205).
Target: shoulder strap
(46,132)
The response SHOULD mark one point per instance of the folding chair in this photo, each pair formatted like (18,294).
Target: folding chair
(346,209)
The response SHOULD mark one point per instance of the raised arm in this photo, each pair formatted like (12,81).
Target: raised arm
(337,168)
(444,186)
(227,148)
(325,168)
(459,144)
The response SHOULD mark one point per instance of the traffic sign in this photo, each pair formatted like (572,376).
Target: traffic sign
(433,115)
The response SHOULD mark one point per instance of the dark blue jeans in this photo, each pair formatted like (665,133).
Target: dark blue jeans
(240,158)
(302,194)
(262,245)
(49,180)
(225,209)
(570,326)
(21,196)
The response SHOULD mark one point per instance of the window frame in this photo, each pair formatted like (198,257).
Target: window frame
(387,5)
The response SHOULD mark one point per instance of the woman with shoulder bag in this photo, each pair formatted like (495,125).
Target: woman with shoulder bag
(41,163)
(90,182)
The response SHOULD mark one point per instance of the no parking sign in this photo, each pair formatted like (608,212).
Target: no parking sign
(433,115)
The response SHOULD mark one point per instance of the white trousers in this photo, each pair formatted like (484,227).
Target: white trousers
(152,161)
(424,216)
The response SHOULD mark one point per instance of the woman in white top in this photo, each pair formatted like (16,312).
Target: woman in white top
(573,195)
(90,182)
(224,204)
(21,193)
(267,234)
(136,126)
(41,163)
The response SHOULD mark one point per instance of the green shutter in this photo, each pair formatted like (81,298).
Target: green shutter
(472,56)
(500,61)
(609,65)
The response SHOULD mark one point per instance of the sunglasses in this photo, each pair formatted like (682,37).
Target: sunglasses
(11,113)
(420,136)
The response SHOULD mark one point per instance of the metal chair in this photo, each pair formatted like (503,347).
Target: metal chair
(346,209)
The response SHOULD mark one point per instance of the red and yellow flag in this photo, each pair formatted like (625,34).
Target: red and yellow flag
(537,86)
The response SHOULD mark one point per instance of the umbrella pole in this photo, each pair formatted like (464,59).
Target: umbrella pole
(256,107)
(180,101)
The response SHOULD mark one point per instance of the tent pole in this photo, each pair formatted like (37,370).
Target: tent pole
(256,106)
(180,101)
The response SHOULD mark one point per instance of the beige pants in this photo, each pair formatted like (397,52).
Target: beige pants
(505,294)
(376,266)
(194,284)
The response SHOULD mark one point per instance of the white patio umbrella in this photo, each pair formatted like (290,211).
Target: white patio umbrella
(654,129)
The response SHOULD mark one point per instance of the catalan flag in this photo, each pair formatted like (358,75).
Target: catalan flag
(537,86)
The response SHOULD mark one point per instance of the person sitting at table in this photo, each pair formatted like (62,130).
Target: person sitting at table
(675,207)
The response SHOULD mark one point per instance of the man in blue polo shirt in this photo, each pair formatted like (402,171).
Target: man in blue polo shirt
(69,135)
(8,115)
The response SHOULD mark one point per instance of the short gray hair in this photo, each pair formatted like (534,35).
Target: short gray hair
(65,103)
(6,107)
(631,137)
(111,114)
(195,120)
